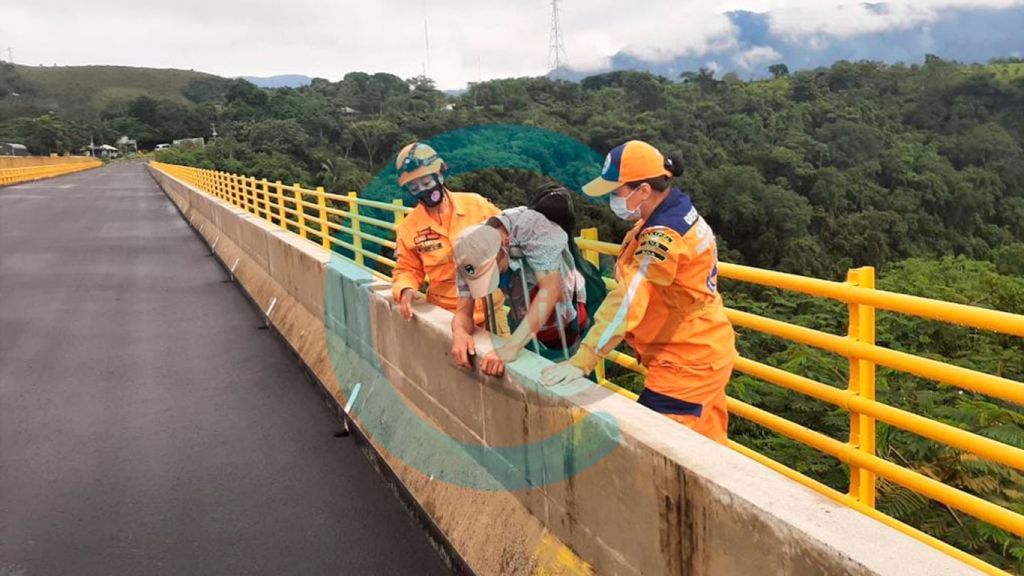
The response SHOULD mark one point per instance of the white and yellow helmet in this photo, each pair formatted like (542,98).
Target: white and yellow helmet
(417,160)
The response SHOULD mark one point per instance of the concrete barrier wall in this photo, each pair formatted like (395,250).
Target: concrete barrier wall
(525,480)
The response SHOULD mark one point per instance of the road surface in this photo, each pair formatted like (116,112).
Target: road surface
(146,425)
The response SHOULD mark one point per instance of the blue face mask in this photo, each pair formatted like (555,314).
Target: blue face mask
(505,280)
(618,206)
(505,277)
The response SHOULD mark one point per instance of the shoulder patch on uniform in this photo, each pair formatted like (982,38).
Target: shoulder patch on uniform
(691,216)
(654,243)
(643,253)
(654,234)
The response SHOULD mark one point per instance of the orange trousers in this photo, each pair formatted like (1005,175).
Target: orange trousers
(691,395)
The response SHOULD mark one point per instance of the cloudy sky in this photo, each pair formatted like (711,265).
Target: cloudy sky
(468,38)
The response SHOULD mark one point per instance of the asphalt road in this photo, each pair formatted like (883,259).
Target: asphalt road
(146,425)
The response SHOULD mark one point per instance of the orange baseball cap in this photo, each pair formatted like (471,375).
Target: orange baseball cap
(635,160)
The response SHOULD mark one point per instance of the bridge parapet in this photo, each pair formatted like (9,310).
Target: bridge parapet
(17,169)
(660,500)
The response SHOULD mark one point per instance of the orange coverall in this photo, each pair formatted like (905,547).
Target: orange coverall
(668,309)
(424,251)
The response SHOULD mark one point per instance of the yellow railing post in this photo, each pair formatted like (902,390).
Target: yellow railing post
(325,230)
(399,215)
(266,195)
(250,194)
(236,192)
(240,186)
(357,239)
(281,220)
(590,256)
(595,259)
(301,216)
(251,183)
(862,383)
(255,195)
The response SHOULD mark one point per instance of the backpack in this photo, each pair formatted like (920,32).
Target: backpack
(555,202)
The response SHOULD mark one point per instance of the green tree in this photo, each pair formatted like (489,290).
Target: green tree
(779,70)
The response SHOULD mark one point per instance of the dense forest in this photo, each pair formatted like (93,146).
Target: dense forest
(917,170)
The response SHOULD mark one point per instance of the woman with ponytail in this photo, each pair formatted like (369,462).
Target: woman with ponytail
(666,305)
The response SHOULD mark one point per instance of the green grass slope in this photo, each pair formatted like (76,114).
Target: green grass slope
(83,91)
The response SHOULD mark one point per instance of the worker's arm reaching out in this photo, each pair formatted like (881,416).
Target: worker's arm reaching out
(658,254)
(462,332)
(549,288)
(407,276)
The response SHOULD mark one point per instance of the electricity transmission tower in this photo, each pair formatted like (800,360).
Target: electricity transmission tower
(556,46)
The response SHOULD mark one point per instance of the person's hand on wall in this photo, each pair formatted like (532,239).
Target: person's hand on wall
(405,305)
(494,361)
(463,348)
(561,373)
(492,364)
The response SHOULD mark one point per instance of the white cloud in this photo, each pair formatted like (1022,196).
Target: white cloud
(485,38)
(748,59)
(812,23)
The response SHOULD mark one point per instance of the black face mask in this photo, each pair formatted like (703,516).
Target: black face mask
(431,197)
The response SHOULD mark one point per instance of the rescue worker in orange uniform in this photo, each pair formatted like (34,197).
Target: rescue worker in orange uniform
(423,247)
(666,305)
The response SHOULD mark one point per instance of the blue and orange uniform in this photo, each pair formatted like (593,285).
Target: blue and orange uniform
(668,309)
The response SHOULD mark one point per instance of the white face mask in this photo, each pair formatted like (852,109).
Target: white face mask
(618,206)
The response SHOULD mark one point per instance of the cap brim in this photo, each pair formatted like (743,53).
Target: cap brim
(485,282)
(600,187)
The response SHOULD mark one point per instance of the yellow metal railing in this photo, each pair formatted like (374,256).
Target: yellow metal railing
(317,215)
(14,170)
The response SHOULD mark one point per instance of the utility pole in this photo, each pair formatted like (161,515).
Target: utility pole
(556,46)
(426,37)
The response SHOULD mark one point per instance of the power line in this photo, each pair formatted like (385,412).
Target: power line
(556,46)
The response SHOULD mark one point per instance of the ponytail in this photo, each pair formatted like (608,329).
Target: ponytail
(674,164)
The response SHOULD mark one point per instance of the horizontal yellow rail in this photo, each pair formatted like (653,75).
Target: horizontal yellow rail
(32,161)
(318,215)
(9,176)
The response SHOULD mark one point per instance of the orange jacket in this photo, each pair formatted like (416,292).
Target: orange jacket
(424,250)
(666,305)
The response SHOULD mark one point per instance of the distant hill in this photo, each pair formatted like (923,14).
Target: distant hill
(83,91)
(967,34)
(279,81)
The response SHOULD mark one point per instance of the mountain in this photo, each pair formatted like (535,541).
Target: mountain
(970,35)
(83,91)
(279,81)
